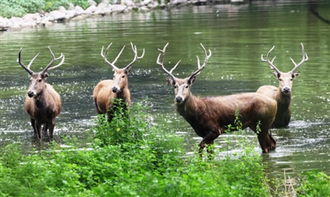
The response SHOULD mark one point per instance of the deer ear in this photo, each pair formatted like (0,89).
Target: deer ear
(295,75)
(191,80)
(127,71)
(170,81)
(45,75)
(276,74)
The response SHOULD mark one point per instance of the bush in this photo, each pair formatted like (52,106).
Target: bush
(138,160)
(9,8)
(313,184)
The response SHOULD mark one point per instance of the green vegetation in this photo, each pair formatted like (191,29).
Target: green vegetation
(314,184)
(10,8)
(129,157)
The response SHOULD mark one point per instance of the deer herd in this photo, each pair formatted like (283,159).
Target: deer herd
(268,107)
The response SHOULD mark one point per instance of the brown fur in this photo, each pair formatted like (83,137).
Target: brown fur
(283,114)
(43,109)
(104,96)
(282,93)
(42,102)
(210,116)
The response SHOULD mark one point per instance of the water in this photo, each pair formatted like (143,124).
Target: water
(236,34)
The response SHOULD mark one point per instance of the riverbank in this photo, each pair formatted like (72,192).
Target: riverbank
(76,12)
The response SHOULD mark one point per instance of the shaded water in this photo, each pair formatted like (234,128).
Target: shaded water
(236,34)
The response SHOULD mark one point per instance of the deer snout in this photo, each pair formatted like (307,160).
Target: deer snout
(178,99)
(30,94)
(286,90)
(115,89)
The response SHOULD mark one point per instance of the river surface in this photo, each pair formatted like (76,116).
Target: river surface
(236,34)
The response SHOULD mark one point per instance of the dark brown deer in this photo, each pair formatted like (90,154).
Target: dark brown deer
(282,93)
(42,102)
(107,90)
(211,116)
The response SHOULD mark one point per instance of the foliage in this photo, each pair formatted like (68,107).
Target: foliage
(10,8)
(314,183)
(140,159)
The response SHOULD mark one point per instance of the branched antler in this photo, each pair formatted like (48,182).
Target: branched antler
(208,54)
(270,62)
(54,58)
(303,59)
(104,53)
(161,62)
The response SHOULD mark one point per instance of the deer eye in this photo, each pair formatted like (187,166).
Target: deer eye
(123,76)
(280,79)
(175,86)
(39,80)
(187,87)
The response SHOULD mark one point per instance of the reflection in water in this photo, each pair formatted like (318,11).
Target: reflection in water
(236,34)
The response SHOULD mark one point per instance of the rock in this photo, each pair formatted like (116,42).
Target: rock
(91,2)
(102,9)
(145,2)
(128,3)
(118,8)
(56,16)
(4,24)
(90,10)
(143,9)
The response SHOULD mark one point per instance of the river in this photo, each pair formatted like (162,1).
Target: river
(237,36)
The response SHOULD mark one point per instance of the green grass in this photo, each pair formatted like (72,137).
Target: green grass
(131,157)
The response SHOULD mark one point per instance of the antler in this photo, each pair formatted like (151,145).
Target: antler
(161,63)
(105,53)
(54,58)
(136,57)
(270,62)
(201,67)
(304,59)
(19,61)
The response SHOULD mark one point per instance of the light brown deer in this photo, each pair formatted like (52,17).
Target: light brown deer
(42,102)
(107,90)
(282,93)
(211,116)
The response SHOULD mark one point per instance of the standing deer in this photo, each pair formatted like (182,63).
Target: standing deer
(42,102)
(282,93)
(107,90)
(211,116)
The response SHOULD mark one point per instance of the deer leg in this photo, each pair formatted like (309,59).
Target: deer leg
(33,123)
(44,130)
(272,142)
(51,131)
(208,139)
(38,130)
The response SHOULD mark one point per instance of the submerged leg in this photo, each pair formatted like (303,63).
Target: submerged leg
(207,140)
(33,123)
(51,131)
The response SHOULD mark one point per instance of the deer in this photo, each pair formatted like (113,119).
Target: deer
(282,93)
(106,91)
(211,116)
(42,102)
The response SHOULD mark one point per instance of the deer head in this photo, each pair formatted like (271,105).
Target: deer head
(120,80)
(182,86)
(285,78)
(37,79)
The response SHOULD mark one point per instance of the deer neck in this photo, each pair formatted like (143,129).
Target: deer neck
(284,100)
(40,100)
(124,94)
(188,106)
